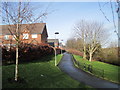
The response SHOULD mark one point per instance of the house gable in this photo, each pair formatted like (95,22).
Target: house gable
(44,35)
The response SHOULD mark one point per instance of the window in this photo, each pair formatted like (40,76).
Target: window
(34,35)
(25,36)
(6,37)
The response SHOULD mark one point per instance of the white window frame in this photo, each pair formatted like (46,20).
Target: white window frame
(25,36)
(34,35)
(6,37)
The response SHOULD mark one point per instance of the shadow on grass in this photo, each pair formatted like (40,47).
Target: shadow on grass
(42,59)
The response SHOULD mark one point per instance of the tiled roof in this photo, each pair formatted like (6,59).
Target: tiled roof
(32,28)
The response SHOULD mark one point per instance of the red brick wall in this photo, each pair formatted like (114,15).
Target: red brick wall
(29,40)
(33,40)
(43,38)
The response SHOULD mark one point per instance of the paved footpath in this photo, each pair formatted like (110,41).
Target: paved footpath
(67,66)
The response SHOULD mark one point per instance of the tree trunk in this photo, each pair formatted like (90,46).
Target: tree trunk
(84,54)
(90,54)
(16,67)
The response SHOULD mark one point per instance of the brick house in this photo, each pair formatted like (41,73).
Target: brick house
(29,33)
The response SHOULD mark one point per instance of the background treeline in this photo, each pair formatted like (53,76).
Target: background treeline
(27,52)
(107,55)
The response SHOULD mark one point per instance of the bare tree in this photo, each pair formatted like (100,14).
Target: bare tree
(71,43)
(92,35)
(80,32)
(96,36)
(16,14)
(115,8)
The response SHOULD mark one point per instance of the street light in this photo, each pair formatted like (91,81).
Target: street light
(55,46)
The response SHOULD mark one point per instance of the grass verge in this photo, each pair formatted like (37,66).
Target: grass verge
(111,72)
(59,57)
(39,75)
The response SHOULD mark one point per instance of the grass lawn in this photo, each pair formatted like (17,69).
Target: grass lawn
(110,71)
(39,75)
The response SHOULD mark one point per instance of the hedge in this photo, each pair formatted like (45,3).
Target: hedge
(27,52)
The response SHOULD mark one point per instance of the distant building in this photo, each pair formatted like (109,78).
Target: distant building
(30,33)
(53,42)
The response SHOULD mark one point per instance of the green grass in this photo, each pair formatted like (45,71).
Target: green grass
(110,71)
(31,72)
(59,57)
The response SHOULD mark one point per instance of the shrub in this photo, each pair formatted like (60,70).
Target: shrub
(108,55)
(27,52)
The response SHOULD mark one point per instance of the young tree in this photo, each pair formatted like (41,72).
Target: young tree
(15,14)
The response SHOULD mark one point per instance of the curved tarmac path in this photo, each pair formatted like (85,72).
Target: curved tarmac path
(67,66)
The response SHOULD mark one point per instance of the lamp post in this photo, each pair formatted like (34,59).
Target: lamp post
(55,47)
